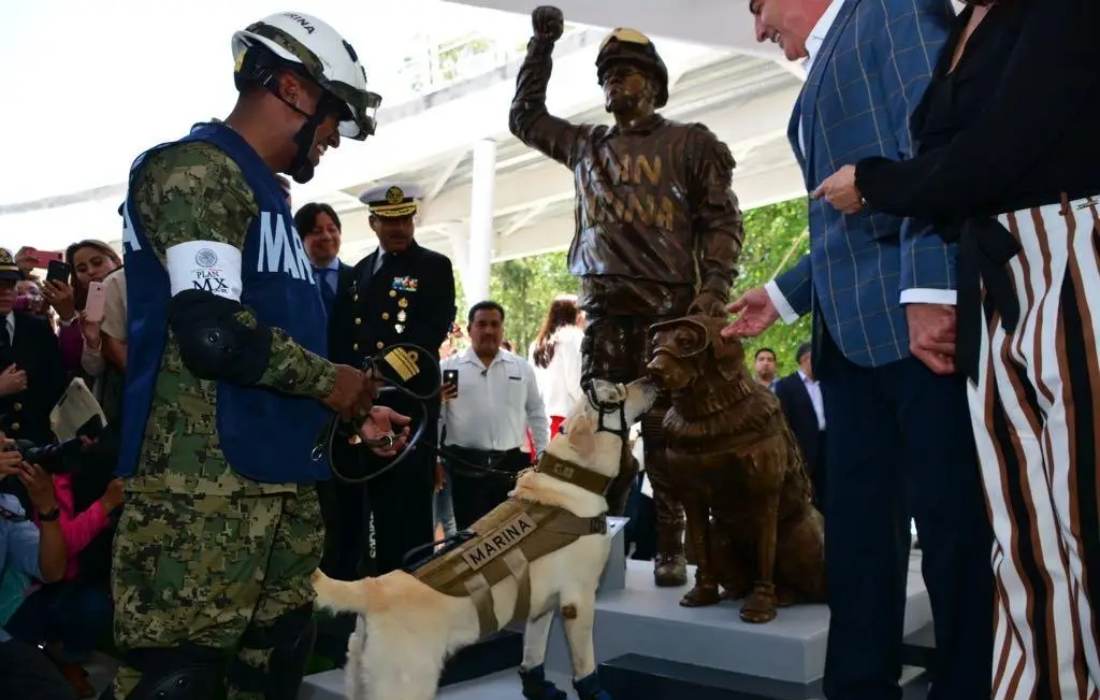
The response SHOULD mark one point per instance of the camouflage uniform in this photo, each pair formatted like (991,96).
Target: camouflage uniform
(204,555)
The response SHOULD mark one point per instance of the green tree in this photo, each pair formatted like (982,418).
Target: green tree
(525,287)
(775,238)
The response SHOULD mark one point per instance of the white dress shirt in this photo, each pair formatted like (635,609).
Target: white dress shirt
(813,388)
(378,260)
(814,42)
(560,382)
(9,326)
(495,404)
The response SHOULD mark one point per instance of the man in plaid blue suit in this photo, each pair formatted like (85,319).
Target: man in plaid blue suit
(882,294)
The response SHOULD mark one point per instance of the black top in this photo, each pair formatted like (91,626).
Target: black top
(410,299)
(1014,126)
(26,414)
(798,407)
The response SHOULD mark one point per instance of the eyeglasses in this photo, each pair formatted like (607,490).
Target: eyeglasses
(682,341)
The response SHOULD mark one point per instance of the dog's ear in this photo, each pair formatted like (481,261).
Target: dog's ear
(729,355)
(581,432)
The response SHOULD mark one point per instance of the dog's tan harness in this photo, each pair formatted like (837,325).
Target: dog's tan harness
(508,539)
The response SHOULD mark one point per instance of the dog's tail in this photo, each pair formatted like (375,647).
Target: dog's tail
(342,596)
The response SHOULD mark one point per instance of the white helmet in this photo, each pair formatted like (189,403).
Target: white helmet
(316,48)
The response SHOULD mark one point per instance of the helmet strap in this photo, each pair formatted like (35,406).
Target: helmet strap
(301,169)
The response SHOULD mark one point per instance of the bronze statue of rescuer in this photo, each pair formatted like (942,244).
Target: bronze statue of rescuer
(658,227)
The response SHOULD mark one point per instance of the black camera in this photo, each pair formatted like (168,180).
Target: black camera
(55,458)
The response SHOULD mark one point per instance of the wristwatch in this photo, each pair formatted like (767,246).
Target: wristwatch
(50,515)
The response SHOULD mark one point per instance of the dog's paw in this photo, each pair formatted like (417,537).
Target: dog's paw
(760,606)
(536,687)
(588,688)
(701,595)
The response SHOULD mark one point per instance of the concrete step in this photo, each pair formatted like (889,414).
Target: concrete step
(647,620)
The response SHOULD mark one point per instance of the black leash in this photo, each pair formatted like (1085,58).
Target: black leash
(396,357)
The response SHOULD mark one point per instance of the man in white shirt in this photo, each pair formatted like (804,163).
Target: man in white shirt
(486,415)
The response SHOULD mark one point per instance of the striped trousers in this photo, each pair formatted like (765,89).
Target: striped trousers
(1036,418)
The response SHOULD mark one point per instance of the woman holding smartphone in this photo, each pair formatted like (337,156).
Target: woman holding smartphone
(84,308)
(88,261)
(1009,166)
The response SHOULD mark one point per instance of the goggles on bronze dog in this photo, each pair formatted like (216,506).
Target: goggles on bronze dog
(684,338)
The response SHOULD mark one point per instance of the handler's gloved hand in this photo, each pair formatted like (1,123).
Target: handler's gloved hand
(388,426)
(708,303)
(548,23)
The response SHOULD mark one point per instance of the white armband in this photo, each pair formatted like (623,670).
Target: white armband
(208,266)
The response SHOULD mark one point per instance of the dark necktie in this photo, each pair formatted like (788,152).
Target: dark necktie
(328,294)
(5,344)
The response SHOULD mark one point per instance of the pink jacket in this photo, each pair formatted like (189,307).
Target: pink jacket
(77,529)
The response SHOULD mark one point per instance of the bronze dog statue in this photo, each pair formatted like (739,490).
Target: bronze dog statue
(738,471)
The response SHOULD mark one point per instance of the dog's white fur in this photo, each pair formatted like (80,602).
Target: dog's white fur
(406,630)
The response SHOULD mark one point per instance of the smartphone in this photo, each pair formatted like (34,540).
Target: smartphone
(93,306)
(450,376)
(42,258)
(58,271)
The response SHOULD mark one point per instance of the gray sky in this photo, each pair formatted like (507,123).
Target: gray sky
(92,84)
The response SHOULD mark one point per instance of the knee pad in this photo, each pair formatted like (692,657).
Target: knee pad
(188,672)
(290,639)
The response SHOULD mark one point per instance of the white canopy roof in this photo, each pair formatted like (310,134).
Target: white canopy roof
(719,76)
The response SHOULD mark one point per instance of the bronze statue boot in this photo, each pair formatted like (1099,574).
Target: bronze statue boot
(760,606)
(670,564)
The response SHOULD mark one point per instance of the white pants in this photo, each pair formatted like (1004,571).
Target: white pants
(1036,416)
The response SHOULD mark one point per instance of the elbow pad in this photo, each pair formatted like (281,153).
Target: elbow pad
(213,343)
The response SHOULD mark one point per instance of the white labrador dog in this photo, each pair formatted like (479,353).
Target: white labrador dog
(406,630)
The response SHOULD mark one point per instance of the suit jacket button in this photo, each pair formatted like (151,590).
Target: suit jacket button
(385,315)
(393,293)
(358,321)
(15,427)
(355,347)
(379,345)
(355,297)
(17,406)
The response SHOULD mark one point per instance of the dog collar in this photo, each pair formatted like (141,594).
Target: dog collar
(573,473)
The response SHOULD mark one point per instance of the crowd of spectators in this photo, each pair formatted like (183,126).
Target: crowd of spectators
(58,508)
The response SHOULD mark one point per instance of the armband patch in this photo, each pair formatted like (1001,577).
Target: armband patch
(206,266)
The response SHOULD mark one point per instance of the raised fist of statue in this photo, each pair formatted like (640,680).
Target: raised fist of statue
(548,22)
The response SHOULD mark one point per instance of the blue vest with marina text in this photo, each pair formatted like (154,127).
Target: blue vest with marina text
(265,436)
